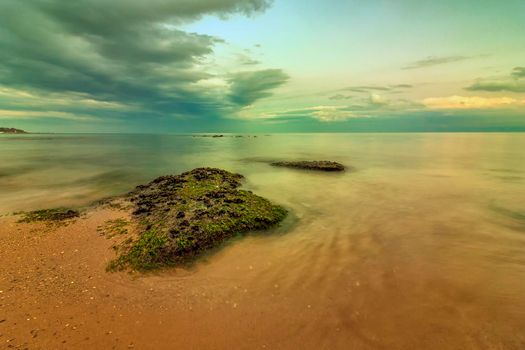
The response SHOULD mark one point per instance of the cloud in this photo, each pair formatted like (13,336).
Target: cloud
(340,97)
(245,60)
(23,105)
(518,72)
(378,100)
(402,86)
(377,106)
(381,88)
(21,98)
(330,113)
(471,102)
(366,89)
(121,52)
(321,113)
(19,114)
(371,107)
(498,85)
(434,61)
(510,83)
(248,87)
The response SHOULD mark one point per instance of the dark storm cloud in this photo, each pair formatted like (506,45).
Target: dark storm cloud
(123,51)
(106,17)
(247,87)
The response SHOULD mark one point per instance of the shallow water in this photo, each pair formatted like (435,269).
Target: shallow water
(420,246)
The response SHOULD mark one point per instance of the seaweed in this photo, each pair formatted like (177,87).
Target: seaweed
(50,215)
(180,217)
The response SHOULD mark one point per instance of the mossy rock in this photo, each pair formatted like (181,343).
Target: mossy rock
(321,165)
(50,215)
(185,215)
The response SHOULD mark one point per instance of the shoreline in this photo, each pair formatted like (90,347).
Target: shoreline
(56,293)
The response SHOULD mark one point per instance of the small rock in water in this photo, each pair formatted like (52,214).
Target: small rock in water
(322,165)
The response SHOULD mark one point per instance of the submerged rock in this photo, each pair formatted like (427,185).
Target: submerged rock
(323,165)
(57,214)
(214,136)
(183,216)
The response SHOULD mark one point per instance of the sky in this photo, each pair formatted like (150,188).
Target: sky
(180,66)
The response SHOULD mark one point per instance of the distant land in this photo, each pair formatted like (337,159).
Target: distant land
(12,131)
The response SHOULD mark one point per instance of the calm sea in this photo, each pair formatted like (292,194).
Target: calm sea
(422,239)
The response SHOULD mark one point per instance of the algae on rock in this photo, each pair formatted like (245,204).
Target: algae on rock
(182,216)
(50,215)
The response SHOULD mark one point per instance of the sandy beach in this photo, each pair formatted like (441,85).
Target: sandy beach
(56,293)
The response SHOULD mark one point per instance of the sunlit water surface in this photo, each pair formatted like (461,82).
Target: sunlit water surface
(420,245)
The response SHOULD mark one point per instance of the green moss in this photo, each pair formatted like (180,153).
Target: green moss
(143,254)
(112,228)
(50,215)
(186,215)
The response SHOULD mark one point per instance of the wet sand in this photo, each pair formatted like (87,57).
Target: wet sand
(258,292)
(55,293)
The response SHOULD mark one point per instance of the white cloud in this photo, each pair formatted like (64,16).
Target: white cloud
(471,102)
(331,113)
(17,114)
(377,99)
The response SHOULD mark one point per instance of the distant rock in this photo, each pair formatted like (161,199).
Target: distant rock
(322,165)
(221,135)
(214,136)
(12,131)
